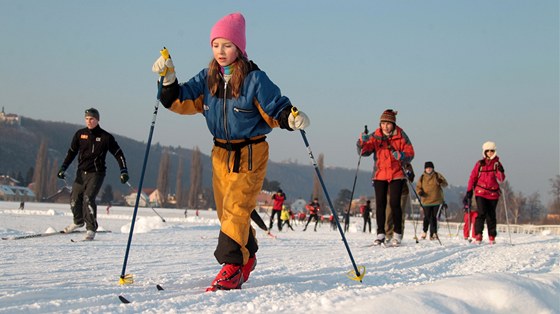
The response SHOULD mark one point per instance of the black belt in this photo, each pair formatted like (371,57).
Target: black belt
(236,147)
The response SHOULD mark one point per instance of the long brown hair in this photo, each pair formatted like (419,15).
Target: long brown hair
(240,69)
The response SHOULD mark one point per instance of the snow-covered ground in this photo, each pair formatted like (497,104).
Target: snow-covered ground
(298,272)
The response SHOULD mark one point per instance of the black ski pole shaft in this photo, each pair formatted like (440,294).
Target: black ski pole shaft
(358,275)
(354,184)
(165,55)
(146,200)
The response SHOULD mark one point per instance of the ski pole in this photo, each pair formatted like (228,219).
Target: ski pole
(127,278)
(413,217)
(446,218)
(347,220)
(470,228)
(506,210)
(146,200)
(356,274)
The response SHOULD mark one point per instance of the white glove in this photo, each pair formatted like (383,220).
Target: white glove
(160,65)
(299,122)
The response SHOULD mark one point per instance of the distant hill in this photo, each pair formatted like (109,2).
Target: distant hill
(19,145)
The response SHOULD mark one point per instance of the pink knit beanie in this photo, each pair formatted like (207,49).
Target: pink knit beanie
(232,28)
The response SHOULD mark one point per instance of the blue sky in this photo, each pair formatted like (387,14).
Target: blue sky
(459,73)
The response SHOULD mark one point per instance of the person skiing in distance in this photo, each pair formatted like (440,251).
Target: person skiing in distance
(277,202)
(484,184)
(391,148)
(365,209)
(285,217)
(91,145)
(241,105)
(430,189)
(314,210)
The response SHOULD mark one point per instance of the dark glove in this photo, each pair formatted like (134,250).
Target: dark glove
(365,137)
(500,168)
(398,155)
(124,176)
(422,193)
(61,173)
(467,198)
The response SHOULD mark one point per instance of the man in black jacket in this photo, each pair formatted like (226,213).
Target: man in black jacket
(91,144)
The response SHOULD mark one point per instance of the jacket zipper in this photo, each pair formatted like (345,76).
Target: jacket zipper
(225,122)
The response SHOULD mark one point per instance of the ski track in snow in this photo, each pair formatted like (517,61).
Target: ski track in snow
(298,272)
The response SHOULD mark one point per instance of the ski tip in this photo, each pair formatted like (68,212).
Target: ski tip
(160,288)
(123,299)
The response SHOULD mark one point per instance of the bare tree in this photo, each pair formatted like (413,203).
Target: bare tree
(555,188)
(196,179)
(512,205)
(163,177)
(534,211)
(179,182)
(39,175)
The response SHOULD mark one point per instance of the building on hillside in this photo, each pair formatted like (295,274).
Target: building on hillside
(298,206)
(62,196)
(147,194)
(9,118)
(264,201)
(7,180)
(16,194)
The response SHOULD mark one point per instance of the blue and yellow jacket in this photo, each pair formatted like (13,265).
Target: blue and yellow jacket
(258,109)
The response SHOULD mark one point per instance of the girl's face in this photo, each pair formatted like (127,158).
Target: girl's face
(387,127)
(225,52)
(489,153)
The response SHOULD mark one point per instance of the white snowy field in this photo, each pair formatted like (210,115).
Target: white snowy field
(298,272)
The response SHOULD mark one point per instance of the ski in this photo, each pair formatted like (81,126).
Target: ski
(83,240)
(123,299)
(127,301)
(39,235)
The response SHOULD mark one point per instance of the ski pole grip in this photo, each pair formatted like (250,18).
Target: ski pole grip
(165,54)
(365,129)
(295,111)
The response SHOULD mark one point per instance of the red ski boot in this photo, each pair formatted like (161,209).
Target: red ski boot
(229,277)
(249,267)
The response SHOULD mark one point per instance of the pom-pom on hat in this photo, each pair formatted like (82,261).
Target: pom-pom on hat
(389,115)
(232,28)
(92,112)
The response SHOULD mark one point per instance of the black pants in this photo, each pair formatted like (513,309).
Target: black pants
(287,222)
(395,188)
(229,251)
(367,221)
(84,191)
(275,213)
(486,212)
(430,218)
(309,220)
